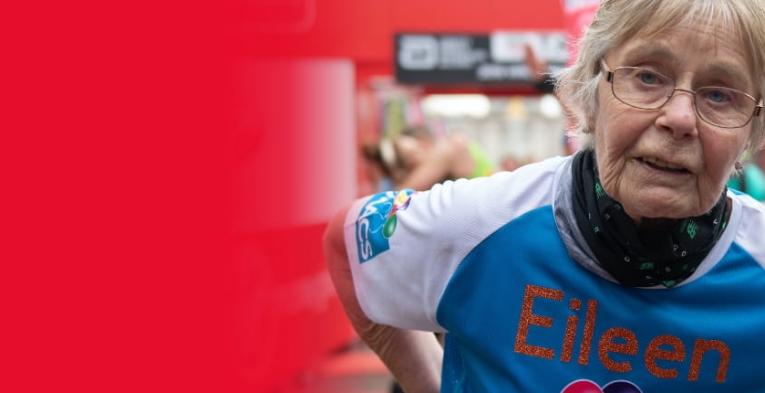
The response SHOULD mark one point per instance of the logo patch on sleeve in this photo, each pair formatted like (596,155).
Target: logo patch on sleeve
(377,222)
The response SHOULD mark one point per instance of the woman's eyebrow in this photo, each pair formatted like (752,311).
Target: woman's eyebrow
(729,72)
(645,50)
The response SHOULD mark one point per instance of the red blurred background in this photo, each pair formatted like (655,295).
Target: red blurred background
(168,170)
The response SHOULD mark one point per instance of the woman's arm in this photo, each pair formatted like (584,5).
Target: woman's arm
(414,357)
(433,169)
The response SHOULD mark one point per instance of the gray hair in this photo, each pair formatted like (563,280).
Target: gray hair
(619,20)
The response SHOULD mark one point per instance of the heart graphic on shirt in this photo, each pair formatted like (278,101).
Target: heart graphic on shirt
(587,386)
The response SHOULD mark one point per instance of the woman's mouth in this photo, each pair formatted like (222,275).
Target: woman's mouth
(661,165)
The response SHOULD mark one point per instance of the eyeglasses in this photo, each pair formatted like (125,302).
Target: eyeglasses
(646,89)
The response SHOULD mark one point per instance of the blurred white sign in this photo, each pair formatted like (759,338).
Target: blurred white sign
(508,46)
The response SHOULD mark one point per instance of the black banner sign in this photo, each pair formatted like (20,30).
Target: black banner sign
(474,58)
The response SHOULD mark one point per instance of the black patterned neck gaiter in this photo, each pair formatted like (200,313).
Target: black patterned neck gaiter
(657,252)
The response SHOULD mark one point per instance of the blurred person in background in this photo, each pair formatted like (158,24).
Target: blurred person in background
(627,267)
(377,171)
(509,163)
(416,159)
(544,82)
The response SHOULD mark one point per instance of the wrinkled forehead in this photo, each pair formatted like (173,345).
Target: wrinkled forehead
(699,30)
(718,47)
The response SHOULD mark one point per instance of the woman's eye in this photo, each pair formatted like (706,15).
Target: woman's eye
(648,78)
(717,96)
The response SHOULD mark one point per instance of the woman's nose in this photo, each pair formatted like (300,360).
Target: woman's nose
(679,114)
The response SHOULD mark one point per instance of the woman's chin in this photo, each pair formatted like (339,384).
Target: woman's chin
(647,205)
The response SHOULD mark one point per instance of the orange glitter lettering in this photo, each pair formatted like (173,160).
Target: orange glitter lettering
(529,318)
(589,331)
(607,344)
(702,346)
(655,352)
(568,338)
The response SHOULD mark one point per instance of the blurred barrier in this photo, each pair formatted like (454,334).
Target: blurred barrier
(294,168)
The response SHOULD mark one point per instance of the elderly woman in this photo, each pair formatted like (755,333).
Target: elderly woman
(627,267)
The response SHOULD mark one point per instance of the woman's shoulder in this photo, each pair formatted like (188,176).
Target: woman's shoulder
(750,206)
(751,227)
(752,212)
(502,195)
(529,186)
(536,174)
(548,166)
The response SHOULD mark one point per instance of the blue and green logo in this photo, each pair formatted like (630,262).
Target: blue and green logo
(377,222)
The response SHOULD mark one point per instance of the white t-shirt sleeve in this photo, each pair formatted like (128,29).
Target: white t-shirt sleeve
(752,228)
(404,246)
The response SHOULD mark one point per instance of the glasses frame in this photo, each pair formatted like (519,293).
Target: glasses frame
(609,74)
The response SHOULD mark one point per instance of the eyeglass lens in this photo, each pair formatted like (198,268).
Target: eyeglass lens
(646,89)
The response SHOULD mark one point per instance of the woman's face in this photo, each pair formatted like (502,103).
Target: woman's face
(667,162)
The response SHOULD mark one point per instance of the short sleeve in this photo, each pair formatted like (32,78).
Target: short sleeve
(404,246)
